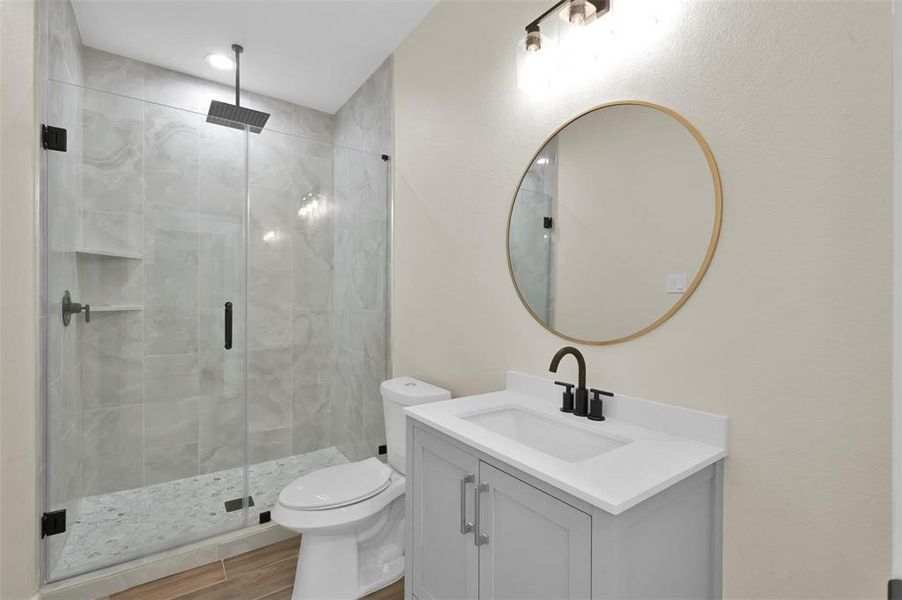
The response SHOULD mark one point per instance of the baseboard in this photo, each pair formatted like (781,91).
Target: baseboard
(122,577)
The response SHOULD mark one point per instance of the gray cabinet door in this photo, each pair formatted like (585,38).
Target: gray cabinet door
(444,557)
(536,546)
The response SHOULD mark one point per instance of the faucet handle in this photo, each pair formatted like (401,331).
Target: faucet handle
(596,405)
(566,397)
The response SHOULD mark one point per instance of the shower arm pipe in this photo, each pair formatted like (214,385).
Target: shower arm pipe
(238,49)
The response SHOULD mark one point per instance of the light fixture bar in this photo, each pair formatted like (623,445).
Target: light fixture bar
(534,26)
(601,7)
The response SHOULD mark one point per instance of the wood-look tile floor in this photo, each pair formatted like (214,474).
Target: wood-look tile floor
(263,574)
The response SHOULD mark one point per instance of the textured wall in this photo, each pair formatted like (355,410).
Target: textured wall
(789,333)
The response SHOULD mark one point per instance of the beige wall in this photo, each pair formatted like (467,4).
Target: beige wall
(18,301)
(789,334)
(635,203)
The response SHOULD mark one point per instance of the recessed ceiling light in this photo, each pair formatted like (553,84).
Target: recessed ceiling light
(220,61)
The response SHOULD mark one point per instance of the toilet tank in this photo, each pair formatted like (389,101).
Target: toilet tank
(397,394)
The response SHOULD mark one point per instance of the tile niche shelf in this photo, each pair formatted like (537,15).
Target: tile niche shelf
(110,253)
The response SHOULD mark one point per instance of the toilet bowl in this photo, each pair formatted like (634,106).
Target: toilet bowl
(351,516)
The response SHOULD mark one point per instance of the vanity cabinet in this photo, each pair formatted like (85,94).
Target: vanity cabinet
(534,545)
(481,533)
(446,558)
(482,530)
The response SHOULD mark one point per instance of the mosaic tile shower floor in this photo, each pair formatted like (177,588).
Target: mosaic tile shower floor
(122,526)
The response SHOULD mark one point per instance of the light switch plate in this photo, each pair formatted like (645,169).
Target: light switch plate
(676,283)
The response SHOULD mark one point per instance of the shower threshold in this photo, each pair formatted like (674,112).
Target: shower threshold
(121,526)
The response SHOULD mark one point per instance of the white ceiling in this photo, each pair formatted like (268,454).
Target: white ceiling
(314,53)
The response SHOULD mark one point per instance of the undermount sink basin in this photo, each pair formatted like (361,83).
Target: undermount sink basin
(566,442)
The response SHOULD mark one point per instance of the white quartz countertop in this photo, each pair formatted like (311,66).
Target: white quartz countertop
(663,443)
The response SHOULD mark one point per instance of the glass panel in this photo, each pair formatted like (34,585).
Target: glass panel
(156,219)
(289,311)
(360,299)
(317,320)
(144,221)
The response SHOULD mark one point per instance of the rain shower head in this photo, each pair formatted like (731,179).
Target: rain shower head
(235,115)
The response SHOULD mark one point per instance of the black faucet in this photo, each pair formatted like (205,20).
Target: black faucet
(578,402)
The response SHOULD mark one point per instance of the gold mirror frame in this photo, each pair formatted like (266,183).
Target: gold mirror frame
(712,245)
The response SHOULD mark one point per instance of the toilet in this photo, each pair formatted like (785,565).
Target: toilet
(351,516)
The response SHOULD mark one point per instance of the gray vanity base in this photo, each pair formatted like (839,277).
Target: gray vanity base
(538,542)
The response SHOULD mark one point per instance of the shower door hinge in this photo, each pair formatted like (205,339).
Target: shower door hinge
(547,222)
(53,522)
(238,503)
(53,138)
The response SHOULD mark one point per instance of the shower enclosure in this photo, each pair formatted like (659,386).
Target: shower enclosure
(213,309)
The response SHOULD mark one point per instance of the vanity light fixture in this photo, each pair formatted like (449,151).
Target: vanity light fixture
(575,12)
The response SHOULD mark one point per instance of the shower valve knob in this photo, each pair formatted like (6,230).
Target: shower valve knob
(70,308)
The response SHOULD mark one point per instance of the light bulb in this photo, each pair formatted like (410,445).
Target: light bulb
(533,39)
(577,12)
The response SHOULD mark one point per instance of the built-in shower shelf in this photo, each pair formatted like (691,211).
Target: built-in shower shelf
(116,308)
(111,253)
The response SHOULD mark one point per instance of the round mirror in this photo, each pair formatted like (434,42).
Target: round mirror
(614,223)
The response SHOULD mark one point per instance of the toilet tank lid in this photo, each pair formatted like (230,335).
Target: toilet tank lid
(409,391)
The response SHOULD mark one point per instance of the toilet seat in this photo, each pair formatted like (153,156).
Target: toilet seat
(337,486)
(340,518)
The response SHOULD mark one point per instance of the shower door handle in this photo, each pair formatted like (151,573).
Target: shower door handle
(228,325)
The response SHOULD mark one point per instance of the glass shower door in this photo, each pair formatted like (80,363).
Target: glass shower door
(144,256)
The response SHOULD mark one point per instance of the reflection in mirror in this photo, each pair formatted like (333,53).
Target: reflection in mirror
(614,223)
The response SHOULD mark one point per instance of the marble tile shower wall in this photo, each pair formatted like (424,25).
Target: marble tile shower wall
(162,396)
(362,134)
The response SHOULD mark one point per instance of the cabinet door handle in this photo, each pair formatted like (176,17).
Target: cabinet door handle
(465,526)
(479,538)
